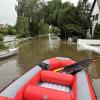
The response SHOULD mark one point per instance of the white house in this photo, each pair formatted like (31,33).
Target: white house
(1,26)
(95,14)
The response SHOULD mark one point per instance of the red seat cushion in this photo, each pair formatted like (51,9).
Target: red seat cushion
(58,78)
(39,93)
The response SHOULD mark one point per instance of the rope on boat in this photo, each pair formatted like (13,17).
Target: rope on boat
(78,66)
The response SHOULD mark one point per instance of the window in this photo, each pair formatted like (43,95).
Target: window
(93,17)
(96,16)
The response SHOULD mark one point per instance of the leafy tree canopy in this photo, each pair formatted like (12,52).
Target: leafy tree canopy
(32,14)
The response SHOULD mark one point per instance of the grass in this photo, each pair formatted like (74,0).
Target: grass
(3,47)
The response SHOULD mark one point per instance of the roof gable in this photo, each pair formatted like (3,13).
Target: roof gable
(98,2)
(93,6)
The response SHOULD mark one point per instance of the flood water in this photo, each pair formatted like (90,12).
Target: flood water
(34,51)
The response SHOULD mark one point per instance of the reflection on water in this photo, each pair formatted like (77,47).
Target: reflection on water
(36,50)
(53,43)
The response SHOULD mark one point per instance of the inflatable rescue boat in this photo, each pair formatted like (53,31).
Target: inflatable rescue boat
(42,82)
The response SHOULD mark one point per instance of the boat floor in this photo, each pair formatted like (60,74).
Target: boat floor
(55,86)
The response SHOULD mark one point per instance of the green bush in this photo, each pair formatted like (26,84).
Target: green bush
(2,46)
(4,31)
(8,30)
(97,31)
(1,37)
(11,30)
(55,30)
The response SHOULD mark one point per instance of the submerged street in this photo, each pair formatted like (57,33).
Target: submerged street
(32,31)
(34,51)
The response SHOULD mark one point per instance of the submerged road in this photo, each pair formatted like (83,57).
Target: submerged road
(34,51)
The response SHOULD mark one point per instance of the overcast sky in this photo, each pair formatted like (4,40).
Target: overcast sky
(8,13)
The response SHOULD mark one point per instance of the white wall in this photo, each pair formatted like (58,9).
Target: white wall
(88,41)
(95,11)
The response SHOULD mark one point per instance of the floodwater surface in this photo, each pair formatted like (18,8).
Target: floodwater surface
(34,51)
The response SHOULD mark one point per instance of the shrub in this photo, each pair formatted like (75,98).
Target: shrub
(97,31)
(2,46)
(55,30)
(1,37)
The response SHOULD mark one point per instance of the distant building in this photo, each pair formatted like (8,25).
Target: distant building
(95,14)
(2,26)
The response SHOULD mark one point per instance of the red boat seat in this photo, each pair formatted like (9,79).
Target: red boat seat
(32,90)
(35,92)
(58,78)
(39,93)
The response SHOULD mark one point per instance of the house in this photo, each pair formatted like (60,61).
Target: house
(1,26)
(95,15)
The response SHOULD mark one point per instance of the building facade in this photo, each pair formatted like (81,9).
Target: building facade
(1,26)
(95,15)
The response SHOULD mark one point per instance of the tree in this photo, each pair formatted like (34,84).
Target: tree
(83,11)
(29,12)
(51,10)
(67,20)
(43,28)
(22,27)
(71,20)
